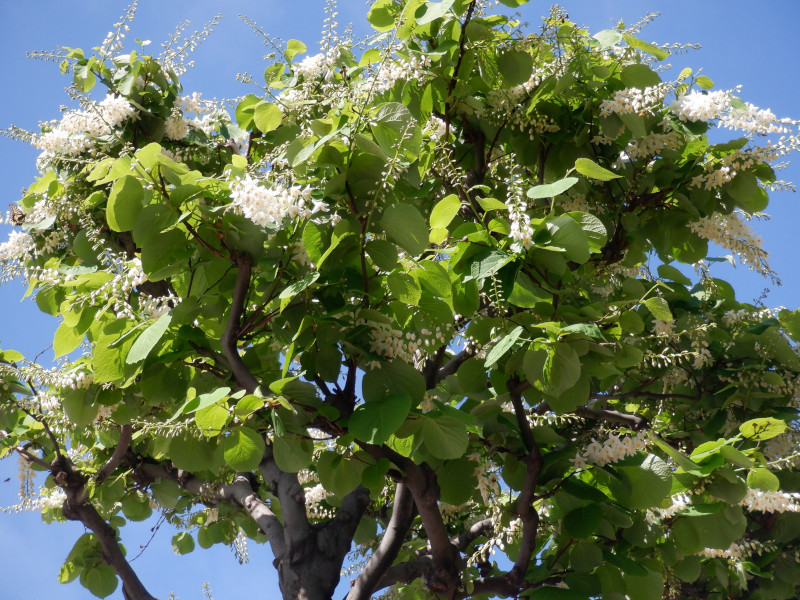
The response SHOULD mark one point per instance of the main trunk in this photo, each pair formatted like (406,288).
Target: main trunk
(312,577)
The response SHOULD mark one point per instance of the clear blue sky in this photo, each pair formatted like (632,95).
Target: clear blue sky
(743,43)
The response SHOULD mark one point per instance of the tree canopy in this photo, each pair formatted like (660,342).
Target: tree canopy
(413,307)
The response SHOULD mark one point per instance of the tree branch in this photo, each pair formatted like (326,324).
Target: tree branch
(368,581)
(465,538)
(290,494)
(633,421)
(230,336)
(76,507)
(240,492)
(452,365)
(125,433)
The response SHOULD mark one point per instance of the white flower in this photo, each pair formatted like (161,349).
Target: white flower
(176,127)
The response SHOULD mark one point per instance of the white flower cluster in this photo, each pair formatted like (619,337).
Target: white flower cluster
(270,205)
(679,502)
(701,106)
(653,143)
(412,68)
(78,129)
(753,120)
(738,550)
(610,451)
(771,502)
(663,328)
(731,232)
(176,127)
(104,412)
(390,343)
(488,483)
(635,100)
(312,67)
(314,496)
(435,128)
(707,106)
(521,230)
(19,246)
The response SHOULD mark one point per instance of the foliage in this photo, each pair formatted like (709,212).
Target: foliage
(418,294)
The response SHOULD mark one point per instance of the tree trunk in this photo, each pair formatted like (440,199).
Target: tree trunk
(312,576)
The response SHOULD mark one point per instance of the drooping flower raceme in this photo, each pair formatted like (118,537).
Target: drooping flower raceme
(78,129)
(271,204)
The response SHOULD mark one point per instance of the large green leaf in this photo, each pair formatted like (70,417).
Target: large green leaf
(548,190)
(444,436)
(374,422)
(125,202)
(101,580)
(406,227)
(243,448)
(586,166)
(642,486)
(148,339)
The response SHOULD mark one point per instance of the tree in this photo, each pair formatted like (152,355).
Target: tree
(417,296)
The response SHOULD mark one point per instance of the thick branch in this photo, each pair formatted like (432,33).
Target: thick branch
(405,572)
(368,581)
(230,336)
(421,481)
(632,421)
(465,538)
(77,508)
(451,366)
(240,492)
(120,451)
(290,494)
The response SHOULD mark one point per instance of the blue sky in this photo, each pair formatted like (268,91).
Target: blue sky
(756,48)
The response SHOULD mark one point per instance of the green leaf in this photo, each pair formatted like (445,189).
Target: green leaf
(444,437)
(190,453)
(763,479)
(267,117)
(589,168)
(457,480)
(100,580)
(406,227)
(486,263)
(243,449)
(659,308)
(504,345)
(562,369)
(182,543)
(549,190)
(658,53)
(337,474)
(582,522)
(432,10)
(704,82)
(608,38)
(515,67)
(643,486)
(292,453)
(670,273)
(211,419)
(148,339)
(66,339)
(293,48)
(382,15)
(762,429)
(373,422)
(125,202)
(444,211)
(567,234)
(404,287)
(593,229)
